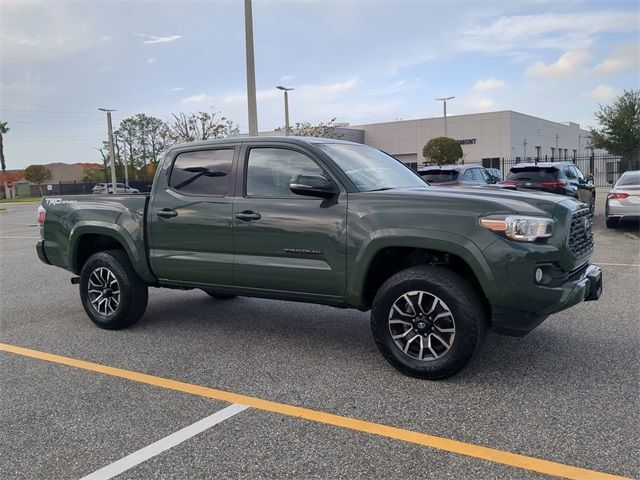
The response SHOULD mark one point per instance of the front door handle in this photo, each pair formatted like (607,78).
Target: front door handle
(248,215)
(167,213)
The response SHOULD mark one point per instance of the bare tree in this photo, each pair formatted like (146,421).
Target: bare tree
(191,127)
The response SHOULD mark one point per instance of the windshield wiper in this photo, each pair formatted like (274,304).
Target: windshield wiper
(380,189)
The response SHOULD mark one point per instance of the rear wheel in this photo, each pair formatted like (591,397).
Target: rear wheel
(219,296)
(428,322)
(112,294)
(612,222)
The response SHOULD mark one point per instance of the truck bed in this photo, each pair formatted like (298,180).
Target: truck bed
(75,222)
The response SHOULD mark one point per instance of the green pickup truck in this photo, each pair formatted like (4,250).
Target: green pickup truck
(334,223)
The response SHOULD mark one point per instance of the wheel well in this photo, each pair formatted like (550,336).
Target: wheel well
(391,260)
(93,243)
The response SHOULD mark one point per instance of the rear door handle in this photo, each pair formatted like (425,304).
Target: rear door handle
(167,213)
(248,215)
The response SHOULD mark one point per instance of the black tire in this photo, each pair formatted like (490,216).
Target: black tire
(219,296)
(462,300)
(611,222)
(133,292)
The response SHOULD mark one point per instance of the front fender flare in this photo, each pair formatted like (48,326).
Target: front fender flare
(417,238)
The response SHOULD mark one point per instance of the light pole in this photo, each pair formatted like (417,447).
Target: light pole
(286,107)
(524,148)
(251,71)
(112,154)
(444,100)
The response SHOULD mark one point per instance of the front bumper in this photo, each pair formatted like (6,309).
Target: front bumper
(516,322)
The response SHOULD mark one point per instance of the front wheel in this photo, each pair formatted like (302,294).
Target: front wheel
(428,322)
(112,294)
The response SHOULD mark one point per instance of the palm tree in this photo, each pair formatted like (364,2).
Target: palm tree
(3,129)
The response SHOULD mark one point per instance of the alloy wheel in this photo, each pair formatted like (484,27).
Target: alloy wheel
(422,325)
(104,291)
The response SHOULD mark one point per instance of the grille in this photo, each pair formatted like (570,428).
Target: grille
(581,233)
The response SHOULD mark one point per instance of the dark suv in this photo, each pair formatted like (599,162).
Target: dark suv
(562,178)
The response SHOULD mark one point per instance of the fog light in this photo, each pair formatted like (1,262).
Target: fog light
(539,275)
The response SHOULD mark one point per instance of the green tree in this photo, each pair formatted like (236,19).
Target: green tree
(139,140)
(620,128)
(442,150)
(3,130)
(192,127)
(95,175)
(37,174)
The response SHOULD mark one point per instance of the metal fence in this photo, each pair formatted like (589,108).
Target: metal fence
(605,168)
(81,188)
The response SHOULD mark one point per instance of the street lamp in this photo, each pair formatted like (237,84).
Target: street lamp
(286,107)
(112,154)
(444,99)
(251,69)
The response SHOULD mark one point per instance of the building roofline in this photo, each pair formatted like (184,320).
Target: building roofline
(497,112)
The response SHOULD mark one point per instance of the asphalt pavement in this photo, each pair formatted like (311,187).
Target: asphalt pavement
(568,392)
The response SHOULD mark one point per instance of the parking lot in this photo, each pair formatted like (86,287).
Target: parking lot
(562,401)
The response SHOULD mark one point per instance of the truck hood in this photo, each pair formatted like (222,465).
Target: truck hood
(491,200)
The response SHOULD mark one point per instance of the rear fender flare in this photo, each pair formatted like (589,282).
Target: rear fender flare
(119,234)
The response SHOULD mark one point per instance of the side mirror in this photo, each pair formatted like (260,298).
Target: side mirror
(312,186)
(590,178)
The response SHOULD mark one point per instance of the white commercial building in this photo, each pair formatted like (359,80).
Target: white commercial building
(485,137)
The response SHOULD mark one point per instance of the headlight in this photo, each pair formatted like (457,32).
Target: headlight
(523,229)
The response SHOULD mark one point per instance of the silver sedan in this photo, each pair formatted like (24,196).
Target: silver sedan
(623,201)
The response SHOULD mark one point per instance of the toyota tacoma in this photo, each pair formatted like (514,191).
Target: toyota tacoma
(334,223)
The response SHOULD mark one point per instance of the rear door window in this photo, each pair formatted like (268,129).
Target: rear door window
(203,172)
(533,174)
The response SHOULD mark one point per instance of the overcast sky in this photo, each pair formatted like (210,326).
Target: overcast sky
(359,61)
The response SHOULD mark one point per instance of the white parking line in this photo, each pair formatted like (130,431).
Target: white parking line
(130,461)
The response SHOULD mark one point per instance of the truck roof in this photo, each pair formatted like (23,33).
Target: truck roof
(265,139)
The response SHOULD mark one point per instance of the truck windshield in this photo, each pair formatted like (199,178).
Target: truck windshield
(370,169)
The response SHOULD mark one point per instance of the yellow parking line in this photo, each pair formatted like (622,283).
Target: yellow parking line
(440,443)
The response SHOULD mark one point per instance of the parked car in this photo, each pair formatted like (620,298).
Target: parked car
(330,222)
(623,201)
(456,175)
(495,173)
(562,178)
(107,188)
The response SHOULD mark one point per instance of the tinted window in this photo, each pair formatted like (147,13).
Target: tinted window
(533,174)
(578,172)
(205,172)
(469,175)
(483,174)
(269,171)
(439,176)
(630,179)
(570,172)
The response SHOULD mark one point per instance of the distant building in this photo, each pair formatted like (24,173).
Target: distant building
(485,137)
